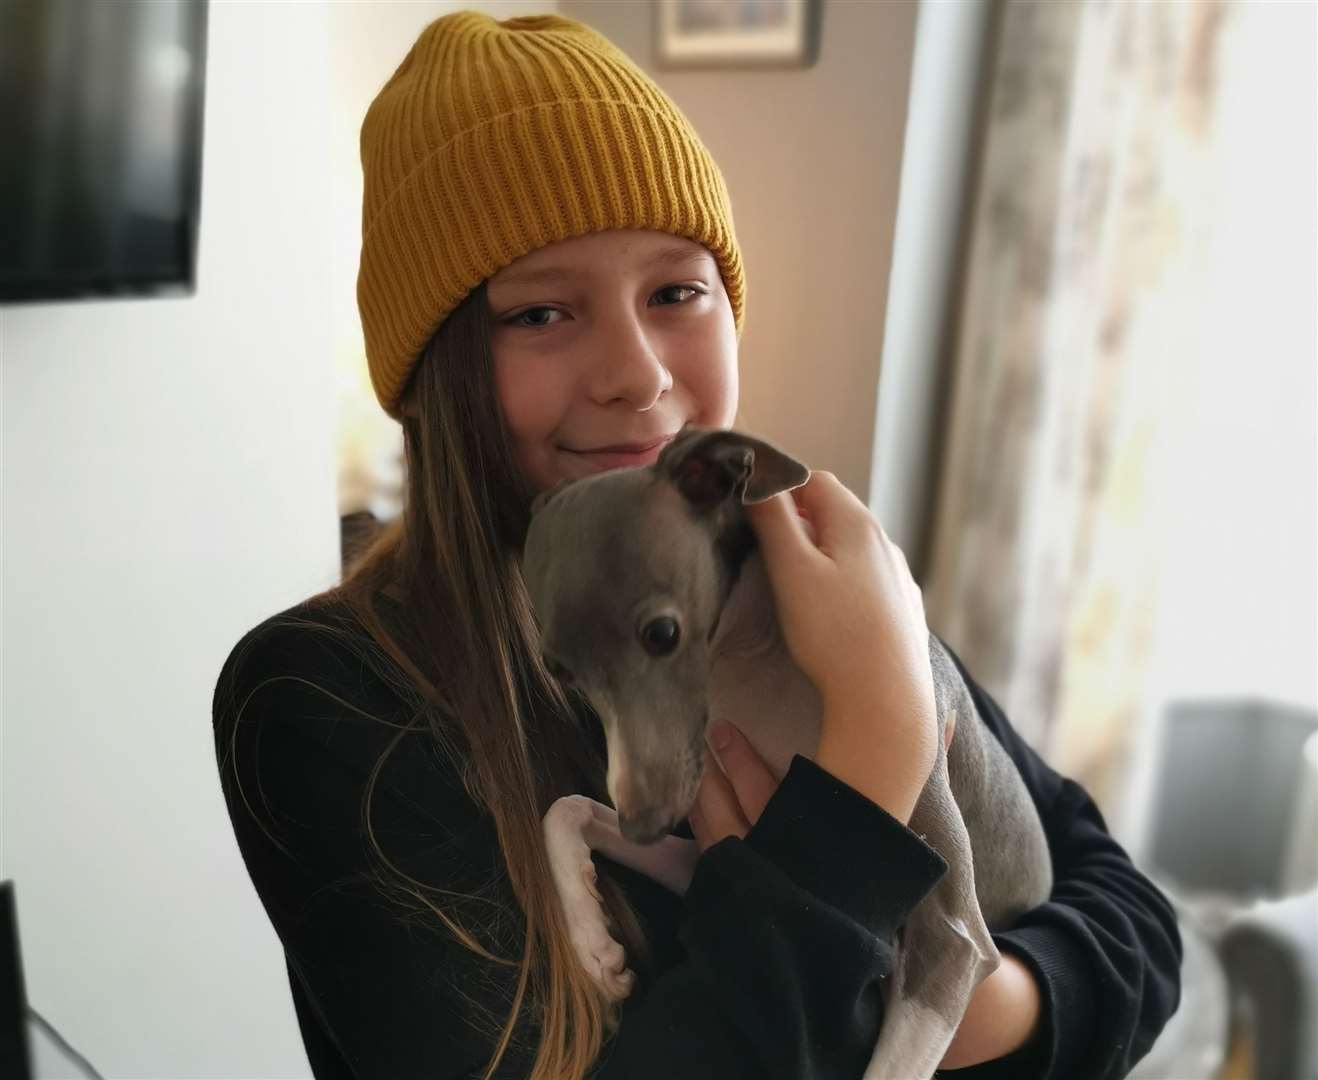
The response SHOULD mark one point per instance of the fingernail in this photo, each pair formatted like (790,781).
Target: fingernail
(721,734)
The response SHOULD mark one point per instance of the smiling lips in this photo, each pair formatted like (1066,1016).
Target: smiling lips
(626,448)
(623,454)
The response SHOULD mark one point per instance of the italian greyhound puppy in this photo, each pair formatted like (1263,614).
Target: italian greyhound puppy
(653,601)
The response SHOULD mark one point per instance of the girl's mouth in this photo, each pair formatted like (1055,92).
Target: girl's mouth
(620,458)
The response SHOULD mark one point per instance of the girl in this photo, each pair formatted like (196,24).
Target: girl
(550,285)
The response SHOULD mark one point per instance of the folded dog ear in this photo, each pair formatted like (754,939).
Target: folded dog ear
(709,465)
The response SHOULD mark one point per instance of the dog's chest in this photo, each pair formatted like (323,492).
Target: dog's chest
(753,681)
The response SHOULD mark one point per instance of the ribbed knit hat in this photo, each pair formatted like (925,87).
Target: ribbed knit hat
(495,138)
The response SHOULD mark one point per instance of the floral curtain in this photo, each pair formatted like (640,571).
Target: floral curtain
(1090,220)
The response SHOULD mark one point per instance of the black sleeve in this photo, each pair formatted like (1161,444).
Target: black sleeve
(786,934)
(1105,947)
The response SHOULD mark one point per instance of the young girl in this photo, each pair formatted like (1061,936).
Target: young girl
(550,285)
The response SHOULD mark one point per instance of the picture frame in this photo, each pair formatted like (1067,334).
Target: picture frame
(736,33)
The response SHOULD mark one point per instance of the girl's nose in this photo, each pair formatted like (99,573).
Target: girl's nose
(628,367)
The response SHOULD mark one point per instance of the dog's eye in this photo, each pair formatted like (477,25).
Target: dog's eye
(557,670)
(659,636)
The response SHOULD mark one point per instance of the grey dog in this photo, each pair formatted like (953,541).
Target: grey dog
(653,601)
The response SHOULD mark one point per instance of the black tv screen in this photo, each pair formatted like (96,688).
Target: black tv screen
(100,125)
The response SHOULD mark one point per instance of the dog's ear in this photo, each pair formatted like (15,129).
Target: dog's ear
(709,465)
(543,499)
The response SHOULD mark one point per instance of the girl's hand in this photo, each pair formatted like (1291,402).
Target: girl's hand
(853,619)
(732,798)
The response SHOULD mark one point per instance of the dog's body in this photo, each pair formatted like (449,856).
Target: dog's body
(613,563)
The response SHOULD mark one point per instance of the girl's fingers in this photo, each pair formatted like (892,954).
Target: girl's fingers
(839,520)
(717,814)
(778,528)
(752,780)
(734,791)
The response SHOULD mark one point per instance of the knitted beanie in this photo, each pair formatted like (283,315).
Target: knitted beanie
(495,138)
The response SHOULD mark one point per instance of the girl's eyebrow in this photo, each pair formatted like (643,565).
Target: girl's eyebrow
(663,259)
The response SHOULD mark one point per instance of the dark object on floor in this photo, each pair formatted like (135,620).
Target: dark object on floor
(15,1059)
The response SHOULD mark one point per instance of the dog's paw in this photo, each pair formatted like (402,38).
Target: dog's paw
(565,825)
(602,957)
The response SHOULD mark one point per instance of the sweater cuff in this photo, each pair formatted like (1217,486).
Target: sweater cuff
(844,848)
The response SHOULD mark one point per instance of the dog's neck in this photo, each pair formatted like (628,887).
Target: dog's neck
(753,681)
(747,625)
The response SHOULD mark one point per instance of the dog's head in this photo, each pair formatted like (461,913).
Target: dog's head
(628,571)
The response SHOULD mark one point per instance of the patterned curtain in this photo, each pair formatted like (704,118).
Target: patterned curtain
(1090,221)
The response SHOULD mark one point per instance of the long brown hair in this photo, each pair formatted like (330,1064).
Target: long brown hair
(440,591)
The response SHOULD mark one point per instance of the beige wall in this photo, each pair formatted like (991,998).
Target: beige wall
(812,158)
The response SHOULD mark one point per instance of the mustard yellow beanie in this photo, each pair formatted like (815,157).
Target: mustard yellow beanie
(494,138)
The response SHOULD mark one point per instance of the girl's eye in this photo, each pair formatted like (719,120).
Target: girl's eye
(670,289)
(535,317)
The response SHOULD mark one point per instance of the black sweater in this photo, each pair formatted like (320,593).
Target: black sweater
(770,967)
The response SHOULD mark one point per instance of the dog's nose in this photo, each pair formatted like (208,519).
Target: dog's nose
(647,827)
(642,818)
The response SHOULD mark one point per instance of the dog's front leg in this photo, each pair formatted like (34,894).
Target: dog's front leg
(574,826)
(567,825)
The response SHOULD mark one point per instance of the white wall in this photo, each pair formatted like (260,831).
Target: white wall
(168,481)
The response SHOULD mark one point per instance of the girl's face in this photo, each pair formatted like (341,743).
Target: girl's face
(605,347)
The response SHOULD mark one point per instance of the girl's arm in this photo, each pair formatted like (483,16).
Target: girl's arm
(1003,1012)
(1002,1016)
(1104,949)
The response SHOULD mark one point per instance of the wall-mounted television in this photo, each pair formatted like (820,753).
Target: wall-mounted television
(100,130)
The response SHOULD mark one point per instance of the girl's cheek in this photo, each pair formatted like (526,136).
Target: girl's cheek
(524,383)
(710,376)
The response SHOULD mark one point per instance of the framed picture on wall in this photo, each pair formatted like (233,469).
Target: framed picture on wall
(736,33)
